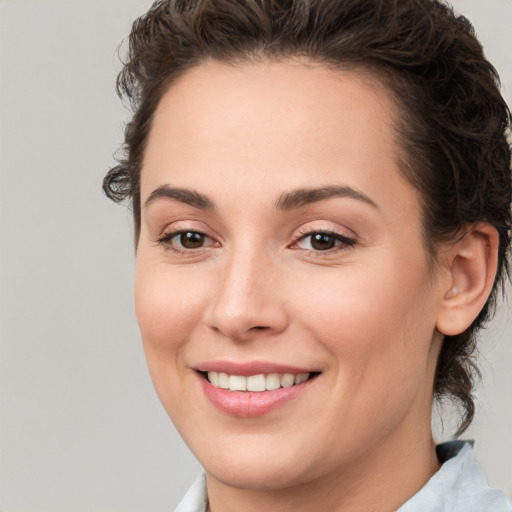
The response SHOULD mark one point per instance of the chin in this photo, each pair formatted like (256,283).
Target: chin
(261,474)
(262,462)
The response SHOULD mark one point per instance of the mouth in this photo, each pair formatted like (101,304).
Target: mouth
(254,393)
(258,383)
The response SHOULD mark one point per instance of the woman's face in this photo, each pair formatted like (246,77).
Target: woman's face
(280,242)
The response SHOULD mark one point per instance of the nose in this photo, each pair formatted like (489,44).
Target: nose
(248,301)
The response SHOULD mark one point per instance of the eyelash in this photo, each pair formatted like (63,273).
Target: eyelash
(344,242)
(166,241)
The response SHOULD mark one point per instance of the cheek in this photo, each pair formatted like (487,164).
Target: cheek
(166,304)
(360,300)
(372,323)
(168,309)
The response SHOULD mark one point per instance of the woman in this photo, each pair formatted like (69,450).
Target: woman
(321,194)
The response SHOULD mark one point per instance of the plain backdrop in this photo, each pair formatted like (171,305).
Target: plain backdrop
(80,426)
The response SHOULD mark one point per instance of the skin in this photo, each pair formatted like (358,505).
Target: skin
(363,313)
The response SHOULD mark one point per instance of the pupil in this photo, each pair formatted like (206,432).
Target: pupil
(191,240)
(321,241)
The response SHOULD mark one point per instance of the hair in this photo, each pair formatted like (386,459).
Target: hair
(452,125)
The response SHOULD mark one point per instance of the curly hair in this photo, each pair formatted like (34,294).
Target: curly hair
(453,122)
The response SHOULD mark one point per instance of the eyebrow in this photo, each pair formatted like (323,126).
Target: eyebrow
(305,196)
(287,201)
(183,195)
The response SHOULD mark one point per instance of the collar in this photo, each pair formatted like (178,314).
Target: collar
(459,486)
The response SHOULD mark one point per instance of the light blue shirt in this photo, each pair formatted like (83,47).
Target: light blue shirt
(459,486)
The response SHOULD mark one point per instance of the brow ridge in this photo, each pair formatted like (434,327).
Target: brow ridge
(304,196)
(183,195)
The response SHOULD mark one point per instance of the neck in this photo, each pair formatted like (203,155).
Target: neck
(370,484)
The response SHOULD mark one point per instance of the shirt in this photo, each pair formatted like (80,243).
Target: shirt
(460,485)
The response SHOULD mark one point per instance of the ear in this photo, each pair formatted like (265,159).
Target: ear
(472,262)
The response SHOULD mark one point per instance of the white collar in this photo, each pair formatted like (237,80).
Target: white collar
(459,486)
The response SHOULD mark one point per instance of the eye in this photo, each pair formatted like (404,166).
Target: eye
(324,241)
(185,240)
(190,239)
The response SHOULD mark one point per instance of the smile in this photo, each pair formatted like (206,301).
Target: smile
(256,383)
(257,392)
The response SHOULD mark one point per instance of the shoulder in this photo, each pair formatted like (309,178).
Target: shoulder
(459,486)
(196,498)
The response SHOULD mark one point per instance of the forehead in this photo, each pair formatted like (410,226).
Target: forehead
(213,98)
(290,123)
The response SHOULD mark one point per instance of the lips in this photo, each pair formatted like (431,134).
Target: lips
(252,389)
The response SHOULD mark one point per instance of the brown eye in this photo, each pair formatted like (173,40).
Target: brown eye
(191,240)
(322,241)
(319,241)
(182,241)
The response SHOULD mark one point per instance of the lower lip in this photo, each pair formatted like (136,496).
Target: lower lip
(247,404)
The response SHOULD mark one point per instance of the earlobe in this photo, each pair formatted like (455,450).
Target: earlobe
(472,263)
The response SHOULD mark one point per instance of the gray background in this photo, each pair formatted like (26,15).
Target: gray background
(80,426)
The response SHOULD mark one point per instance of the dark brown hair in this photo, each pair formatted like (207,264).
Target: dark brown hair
(452,127)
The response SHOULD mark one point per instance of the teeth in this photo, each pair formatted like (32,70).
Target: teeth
(237,383)
(287,380)
(213,377)
(223,380)
(256,383)
(301,377)
(273,381)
